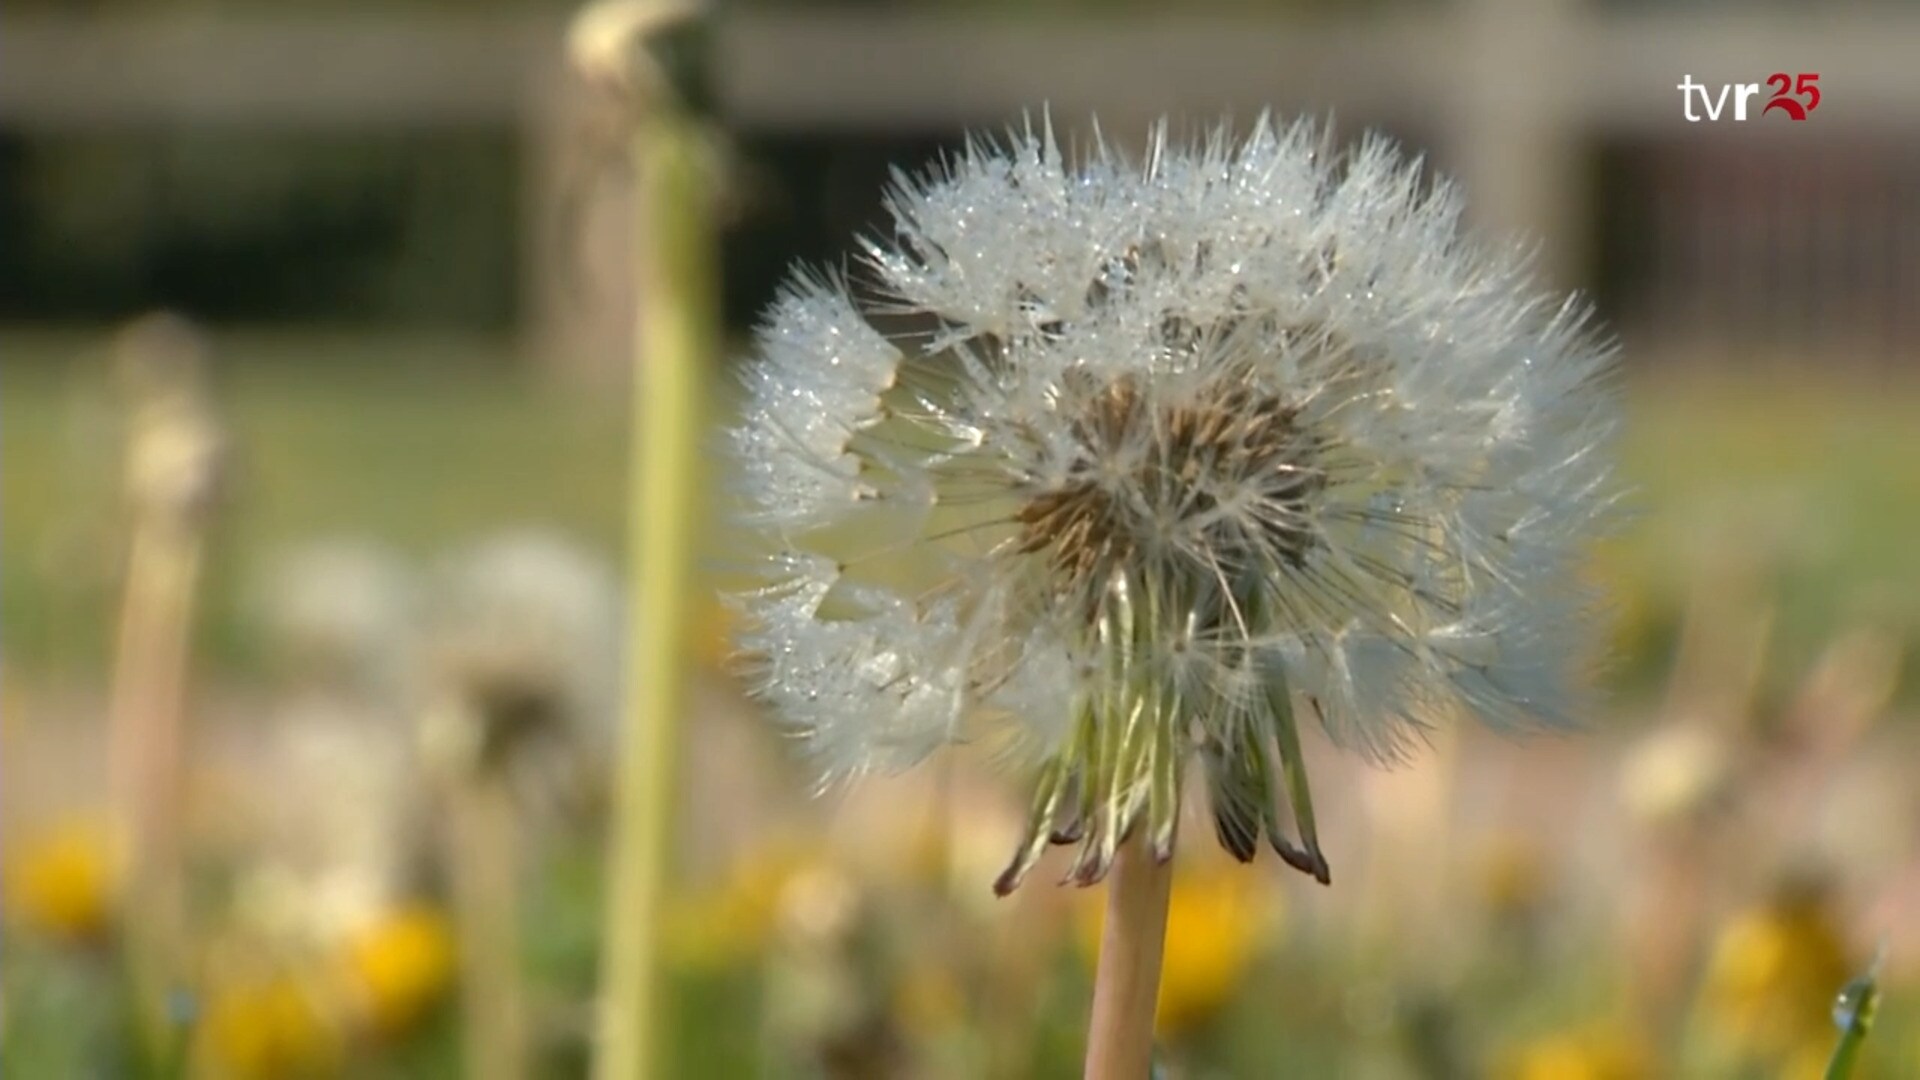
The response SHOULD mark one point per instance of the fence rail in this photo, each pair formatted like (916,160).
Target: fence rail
(1507,91)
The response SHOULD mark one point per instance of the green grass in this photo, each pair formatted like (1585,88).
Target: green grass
(423,444)
(1814,484)
(426,443)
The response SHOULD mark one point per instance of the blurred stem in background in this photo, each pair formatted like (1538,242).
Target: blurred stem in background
(174,449)
(514,668)
(484,832)
(642,51)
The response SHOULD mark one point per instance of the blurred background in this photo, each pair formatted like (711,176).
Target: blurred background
(314,333)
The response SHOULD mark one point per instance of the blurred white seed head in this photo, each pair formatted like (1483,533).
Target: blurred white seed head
(332,818)
(523,649)
(1169,443)
(608,43)
(176,447)
(339,612)
(1678,773)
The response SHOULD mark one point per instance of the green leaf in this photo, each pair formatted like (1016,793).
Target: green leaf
(1853,1013)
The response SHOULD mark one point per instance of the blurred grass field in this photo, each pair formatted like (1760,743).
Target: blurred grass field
(1811,483)
(418,443)
(1778,495)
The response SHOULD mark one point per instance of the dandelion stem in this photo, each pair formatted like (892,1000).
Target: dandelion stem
(147,710)
(676,297)
(486,867)
(173,456)
(1120,1035)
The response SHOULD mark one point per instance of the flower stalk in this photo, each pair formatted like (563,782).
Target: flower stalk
(174,450)
(520,658)
(486,880)
(676,298)
(1166,457)
(1127,984)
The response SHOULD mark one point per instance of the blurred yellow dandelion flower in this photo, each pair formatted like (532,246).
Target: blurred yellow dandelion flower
(741,916)
(63,881)
(400,966)
(929,999)
(1773,974)
(272,1027)
(1595,1052)
(1217,922)
(1512,879)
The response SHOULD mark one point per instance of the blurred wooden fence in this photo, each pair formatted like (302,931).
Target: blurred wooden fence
(1512,94)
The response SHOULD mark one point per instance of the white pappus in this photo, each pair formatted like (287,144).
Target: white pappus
(1157,453)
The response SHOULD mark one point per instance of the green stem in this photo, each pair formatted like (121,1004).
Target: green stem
(676,272)
(1854,1012)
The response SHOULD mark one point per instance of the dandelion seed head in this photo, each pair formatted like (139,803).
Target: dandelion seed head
(521,658)
(339,611)
(1174,444)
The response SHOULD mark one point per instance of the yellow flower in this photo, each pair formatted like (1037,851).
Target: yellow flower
(1772,977)
(63,881)
(1595,1052)
(929,999)
(1512,877)
(270,1027)
(400,967)
(1219,916)
(739,919)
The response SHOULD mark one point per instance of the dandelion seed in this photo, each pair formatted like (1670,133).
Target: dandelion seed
(1188,447)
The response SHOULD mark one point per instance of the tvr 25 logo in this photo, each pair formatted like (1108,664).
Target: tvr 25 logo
(1795,95)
